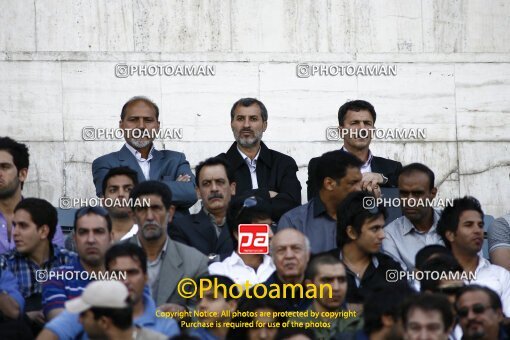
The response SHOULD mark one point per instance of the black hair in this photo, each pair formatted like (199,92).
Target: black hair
(355,105)
(429,302)
(384,300)
(424,254)
(211,162)
(237,215)
(352,212)
(41,212)
(287,333)
(246,102)
(442,263)
(334,164)
(99,211)
(313,266)
(449,220)
(122,318)
(126,249)
(139,99)
(118,171)
(413,167)
(152,188)
(494,299)
(18,151)
(230,286)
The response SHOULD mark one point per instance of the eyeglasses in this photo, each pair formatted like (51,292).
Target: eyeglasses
(476,308)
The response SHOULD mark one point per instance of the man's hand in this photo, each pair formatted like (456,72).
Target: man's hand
(272,193)
(171,307)
(183,178)
(37,316)
(370,183)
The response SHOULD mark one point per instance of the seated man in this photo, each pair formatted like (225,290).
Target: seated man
(480,314)
(354,116)
(106,313)
(498,236)
(35,221)
(255,166)
(139,154)
(360,235)
(210,304)
(327,269)
(338,175)
(207,230)
(14,162)
(167,261)
(417,227)
(461,227)
(92,237)
(255,268)
(427,316)
(130,260)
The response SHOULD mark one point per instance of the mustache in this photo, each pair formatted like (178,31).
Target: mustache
(153,223)
(214,195)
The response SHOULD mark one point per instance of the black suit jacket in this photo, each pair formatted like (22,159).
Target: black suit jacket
(275,172)
(197,231)
(387,167)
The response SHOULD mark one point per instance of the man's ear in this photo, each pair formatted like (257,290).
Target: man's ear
(433,191)
(22,174)
(328,183)
(44,231)
(171,213)
(450,236)
(233,188)
(353,235)
(232,305)
(197,192)
(387,321)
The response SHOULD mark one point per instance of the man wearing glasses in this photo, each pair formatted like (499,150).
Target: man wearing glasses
(480,314)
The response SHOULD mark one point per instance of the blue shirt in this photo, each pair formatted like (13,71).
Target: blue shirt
(67,325)
(9,284)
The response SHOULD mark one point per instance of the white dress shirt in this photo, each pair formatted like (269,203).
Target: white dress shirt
(144,164)
(252,165)
(131,232)
(367,166)
(235,268)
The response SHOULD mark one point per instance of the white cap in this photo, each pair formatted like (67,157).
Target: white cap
(103,294)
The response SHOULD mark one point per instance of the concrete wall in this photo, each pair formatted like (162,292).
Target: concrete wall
(57,61)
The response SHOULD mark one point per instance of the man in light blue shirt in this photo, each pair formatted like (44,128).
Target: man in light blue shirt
(417,227)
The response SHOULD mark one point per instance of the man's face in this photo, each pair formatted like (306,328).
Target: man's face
(333,274)
(214,188)
(210,304)
(118,189)
(481,321)
(358,121)
(247,125)
(92,239)
(27,237)
(372,235)
(153,220)
(425,325)
(266,332)
(290,255)
(351,182)
(415,185)
(91,325)
(469,234)
(139,115)
(135,278)
(10,178)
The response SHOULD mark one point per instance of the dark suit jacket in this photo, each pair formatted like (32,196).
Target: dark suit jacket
(275,172)
(180,261)
(165,167)
(197,231)
(387,167)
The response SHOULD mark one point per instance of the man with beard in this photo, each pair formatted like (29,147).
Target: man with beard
(326,269)
(357,119)
(167,261)
(461,227)
(207,230)
(139,118)
(417,228)
(92,236)
(480,314)
(14,162)
(256,167)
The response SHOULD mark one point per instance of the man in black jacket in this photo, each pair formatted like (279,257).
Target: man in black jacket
(207,230)
(270,174)
(354,116)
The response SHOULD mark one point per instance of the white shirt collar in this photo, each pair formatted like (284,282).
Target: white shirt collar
(243,155)
(138,155)
(367,164)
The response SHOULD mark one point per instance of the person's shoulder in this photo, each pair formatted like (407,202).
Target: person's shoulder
(172,154)
(387,161)
(106,157)
(188,253)
(146,333)
(281,157)
(296,213)
(387,261)
(395,225)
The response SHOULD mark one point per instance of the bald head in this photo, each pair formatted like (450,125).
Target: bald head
(290,250)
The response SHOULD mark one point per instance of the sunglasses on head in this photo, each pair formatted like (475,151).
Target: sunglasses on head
(250,202)
(476,308)
(87,210)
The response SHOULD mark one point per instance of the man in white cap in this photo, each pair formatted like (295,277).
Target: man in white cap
(106,312)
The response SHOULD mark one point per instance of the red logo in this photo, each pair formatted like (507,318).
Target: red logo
(253,238)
